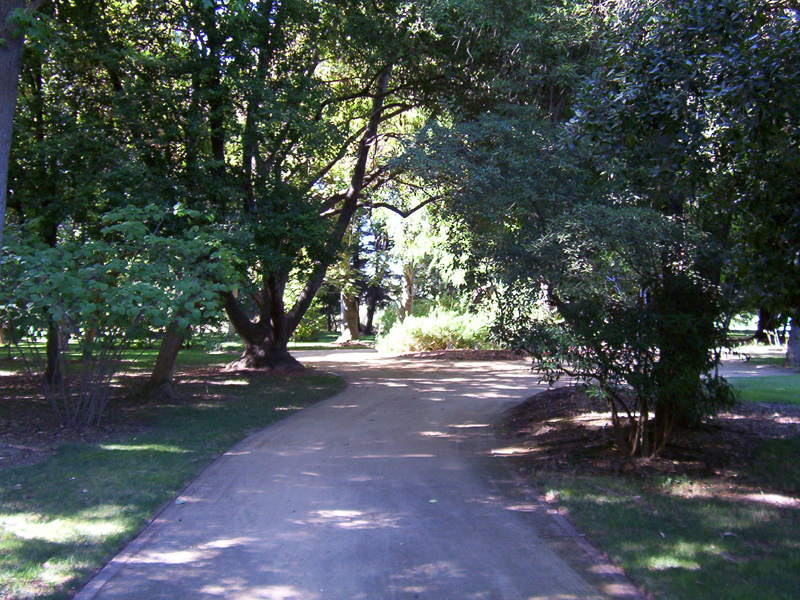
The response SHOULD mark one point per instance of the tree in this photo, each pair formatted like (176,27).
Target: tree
(696,110)
(664,134)
(12,38)
(113,290)
(347,277)
(666,126)
(81,147)
(109,120)
(603,271)
(378,276)
(352,74)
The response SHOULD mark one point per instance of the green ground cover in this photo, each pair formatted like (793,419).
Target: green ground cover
(61,518)
(693,540)
(770,389)
(326,341)
(733,534)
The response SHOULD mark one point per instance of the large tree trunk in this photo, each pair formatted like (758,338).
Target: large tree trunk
(266,339)
(767,323)
(793,347)
(268,354)
(373,296)
(349,313)
(160,386)
(10,65)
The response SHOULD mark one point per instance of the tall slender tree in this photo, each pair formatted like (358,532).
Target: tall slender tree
(12,39)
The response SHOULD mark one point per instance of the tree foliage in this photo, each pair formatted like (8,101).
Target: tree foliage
(108,291)
(634,163)
(687,126)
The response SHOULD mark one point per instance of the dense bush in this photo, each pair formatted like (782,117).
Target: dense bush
(439,330)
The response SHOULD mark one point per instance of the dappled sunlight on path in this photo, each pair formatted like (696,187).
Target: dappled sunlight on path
(388,490)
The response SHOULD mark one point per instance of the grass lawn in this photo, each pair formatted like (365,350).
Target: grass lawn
(326,341)
(685,539)
(723,525)
(774,389)
(63,517)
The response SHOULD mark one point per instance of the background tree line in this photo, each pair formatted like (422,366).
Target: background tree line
(621,176)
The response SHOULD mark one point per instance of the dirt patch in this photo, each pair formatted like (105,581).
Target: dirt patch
(566,429)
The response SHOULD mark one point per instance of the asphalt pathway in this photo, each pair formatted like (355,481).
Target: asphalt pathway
(394,489)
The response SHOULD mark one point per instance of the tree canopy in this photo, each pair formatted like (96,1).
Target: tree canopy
(628,169)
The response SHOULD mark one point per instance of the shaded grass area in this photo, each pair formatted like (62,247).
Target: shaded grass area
(134,360)
(715,517)
(772,361)
(201,352)
(62,518)
(684,539)
(774,389)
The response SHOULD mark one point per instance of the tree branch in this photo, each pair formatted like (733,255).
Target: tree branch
(332,163)
(403,213)
(349,204)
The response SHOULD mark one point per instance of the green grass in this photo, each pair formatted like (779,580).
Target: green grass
(771,389)
(62,518)
(325,341)
(776,461)
(201,352)
(685,540)
(700,540)
(773,361)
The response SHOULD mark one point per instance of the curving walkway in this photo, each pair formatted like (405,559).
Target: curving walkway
(388,490)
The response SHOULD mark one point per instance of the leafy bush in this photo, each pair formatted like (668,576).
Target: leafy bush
(108,292)
(389,316)
(311,324)
(636,321)
(439,330)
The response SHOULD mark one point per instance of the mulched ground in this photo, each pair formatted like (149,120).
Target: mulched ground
(29,431)
(565,429)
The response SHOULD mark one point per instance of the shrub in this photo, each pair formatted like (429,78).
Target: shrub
(311,324)
(439,330)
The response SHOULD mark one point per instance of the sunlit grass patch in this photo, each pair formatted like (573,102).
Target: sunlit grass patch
(143,448)
(681,556)
(772,389)
(86,526)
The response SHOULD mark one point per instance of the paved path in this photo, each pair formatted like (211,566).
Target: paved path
(388,490)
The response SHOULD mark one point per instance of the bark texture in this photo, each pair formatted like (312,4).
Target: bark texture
(349,314)
(11,42)
(793,346)
(164,368)
(375,294)
(407,299)
(768,325)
